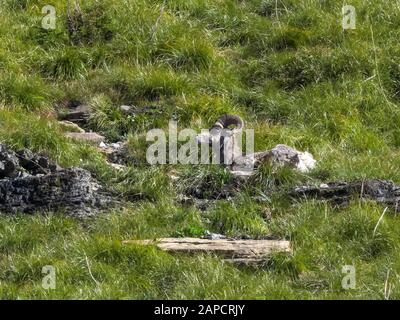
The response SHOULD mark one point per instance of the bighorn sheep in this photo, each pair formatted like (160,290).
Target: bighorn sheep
(225,136)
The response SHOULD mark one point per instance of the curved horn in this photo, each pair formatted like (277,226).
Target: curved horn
(227,120)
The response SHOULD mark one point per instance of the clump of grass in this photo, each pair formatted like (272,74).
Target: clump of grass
(146,84)
(142,183)
(297,70)
(203,110)
(29,92)
(17,4)
(89,25)
(137,148)
(204,182)
(106,117)
(273,8)
(283,263)
(288,39)
(361,231)
(240,218)
(269,177)
(22,129)
(64,64)
(186,54)
(285,66)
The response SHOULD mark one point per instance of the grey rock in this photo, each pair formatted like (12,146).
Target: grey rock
(54,167)
(92,137)
(72,190)
(126,109)
(35,164)
(33,183)
(43,162)
(26,159)
(80,112)
(7,168)
(70,126)
(9,162)
(117,153)
(341,193)
(76,114)
(302,161)
(280,155)
(213,236)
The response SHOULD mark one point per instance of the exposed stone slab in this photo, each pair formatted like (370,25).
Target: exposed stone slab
(31,183)
(77,114)
(340,193)
(71,126)
(73,190)
(92,137)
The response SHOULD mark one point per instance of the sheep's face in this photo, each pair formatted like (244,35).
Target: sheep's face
(203,137)
(209,136)
(223,142)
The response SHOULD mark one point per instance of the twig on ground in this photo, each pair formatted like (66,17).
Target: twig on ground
(90,271)
(379,221)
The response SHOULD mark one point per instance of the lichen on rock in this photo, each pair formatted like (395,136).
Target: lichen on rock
(32,183)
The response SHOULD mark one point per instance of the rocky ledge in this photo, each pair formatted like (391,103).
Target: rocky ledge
(341,193)
(32,183)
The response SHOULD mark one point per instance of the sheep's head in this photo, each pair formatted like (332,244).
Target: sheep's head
(225,126)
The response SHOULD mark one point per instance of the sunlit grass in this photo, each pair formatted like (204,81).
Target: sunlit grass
(286,67)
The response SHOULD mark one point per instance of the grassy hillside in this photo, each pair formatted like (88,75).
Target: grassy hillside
(285,66)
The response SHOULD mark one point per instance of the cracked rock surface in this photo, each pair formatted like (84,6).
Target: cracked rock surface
(32,183)
(340,193)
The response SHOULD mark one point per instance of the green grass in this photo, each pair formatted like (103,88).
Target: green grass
(286,66)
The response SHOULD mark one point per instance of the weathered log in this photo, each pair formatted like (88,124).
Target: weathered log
(240,251)
(340,193)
